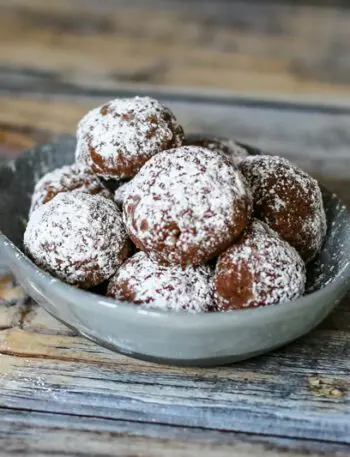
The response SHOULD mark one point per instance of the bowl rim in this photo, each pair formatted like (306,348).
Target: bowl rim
(85,296)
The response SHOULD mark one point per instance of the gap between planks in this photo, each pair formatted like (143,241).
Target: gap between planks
(324,136)
(262,396)
(85,432)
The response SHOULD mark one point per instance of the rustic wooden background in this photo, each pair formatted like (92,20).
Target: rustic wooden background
(280,71)
(53,51)
(260,48)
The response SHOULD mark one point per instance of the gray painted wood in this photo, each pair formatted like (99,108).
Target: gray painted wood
(31,433)
(315,139)
(301,391)
(274,47)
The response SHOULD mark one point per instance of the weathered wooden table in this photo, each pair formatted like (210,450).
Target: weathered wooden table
(62,395)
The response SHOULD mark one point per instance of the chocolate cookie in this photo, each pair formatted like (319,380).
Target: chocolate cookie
(145,282)
(288,200)
(78,238)
(229,148)
(121,193)
(116,139)
(186,206)
(260,269)
(66,179)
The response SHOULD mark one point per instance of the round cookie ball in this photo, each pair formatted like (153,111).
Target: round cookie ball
(186,206)
(121,193)
(82,153)
(66,179)
(116,139)
(260,269)
(77,237)
(288,200)
(229,148)
(145,282)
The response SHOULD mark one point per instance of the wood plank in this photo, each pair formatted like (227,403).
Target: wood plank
(10,291)
(24,433)
(39,321)
(7,316)
(301,391)
(317,140)
(247,47)
(14,139)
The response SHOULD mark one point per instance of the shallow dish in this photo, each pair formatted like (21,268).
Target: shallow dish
(167,337)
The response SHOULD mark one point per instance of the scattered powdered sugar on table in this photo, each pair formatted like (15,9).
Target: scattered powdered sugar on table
(186,204)
(260,269)
(124,133)
(151,285)
(64,179)
(289,200)
(77,237)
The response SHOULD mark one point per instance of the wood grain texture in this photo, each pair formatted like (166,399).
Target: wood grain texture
(316,139)
(62,435)
(301,391)
(248,47)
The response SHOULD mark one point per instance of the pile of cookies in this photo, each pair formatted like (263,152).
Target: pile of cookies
(174,222)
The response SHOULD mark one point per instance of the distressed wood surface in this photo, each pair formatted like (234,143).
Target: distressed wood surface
(279,72)
(261,48)
(316,138)
(301,391)
(62,435)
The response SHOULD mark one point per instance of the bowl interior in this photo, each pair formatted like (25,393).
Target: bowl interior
(18,177)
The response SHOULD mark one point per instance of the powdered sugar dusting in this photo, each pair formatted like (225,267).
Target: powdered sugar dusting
(121,193)
(289,200)
(233,149)
(261,269)
(229,148)
(64,179)
(120,136)
(186,204)
(77,237)
(151,285)
(82,153)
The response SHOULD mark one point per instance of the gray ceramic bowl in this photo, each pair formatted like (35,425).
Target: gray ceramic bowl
(166,337)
